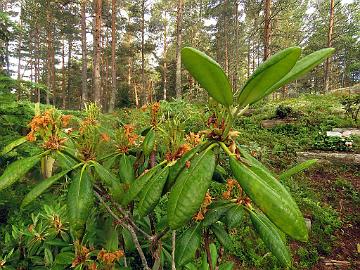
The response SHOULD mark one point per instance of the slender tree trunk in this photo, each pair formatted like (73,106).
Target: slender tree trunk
(164,58)
(178,48)
(37,60)
(249,57)
(113,58)
(137,103)
(143,83)
(329,44)
(19,60)
(236,64)
(63,74)
(50,56)
(267,29)
(97,52)
(68,87)
(84,89)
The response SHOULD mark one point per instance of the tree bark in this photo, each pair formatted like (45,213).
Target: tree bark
(84,89)
(143,83)
(67,94)
(50,56)
(267,29)
(178,48)
(329,44)
(63,75)
(19,59)
(97,52)
(164,59)
(113,58)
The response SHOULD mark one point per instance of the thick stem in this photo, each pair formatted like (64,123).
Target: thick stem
(207,248)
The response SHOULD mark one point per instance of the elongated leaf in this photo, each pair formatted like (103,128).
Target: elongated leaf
(209,74)
(126,170)
(271,238)
(226,266)
(278,208)
(65,161)
(42,187)
(187,244)
(190,188)
(303,66)
(297,168)
(149,142)
(215,212)
(80,201)
(12,145)
(268,74)
(222,236)
(213,254)
(179,166)
(17,170)
(234,216)
(110,180)
(137,186)
(151,194)
(191,266)
(64,258)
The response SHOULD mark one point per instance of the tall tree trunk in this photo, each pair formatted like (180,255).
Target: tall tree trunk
(68,95)
(329,44)
(267,29)
(37,60)
(19,59)
(63,75)
(50,56)
(113,58)
(178,48)
(97,52)
(236,64)
(249,57)
(164,59)
(84,89)
(143,83)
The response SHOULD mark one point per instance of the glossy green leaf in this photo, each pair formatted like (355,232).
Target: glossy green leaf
(209,75)
(215,212)
(297,168)
(222,235)
(17,170)
(12,145)
(128,241)
(149,142)
(303,66)
(273,203)
(234,216)
(261,171)
(110,180)
(80,201)
(126,169)
(191,266)
(65,161)
(151,193)
(213,254)
(179,166)
(137,186)
(268,74)
(64,258)
(226,266)
(42,187)
(190,188)
(187,244)
(271,238)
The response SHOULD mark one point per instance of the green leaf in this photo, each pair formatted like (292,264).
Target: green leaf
(12,145)
(297,168)
(222,236)
(234,216)
(303,66)
(149,142)
(109,180)
(126,170)
(64,258)
(213,254)
(64,160)
(268,74)
(215,212)
(272,239)
(17,170)
(226,266)
(209,74)
(187,244)
(137,186)
(280,209)
(80,201)
(42,187)
(190,188)
(151,194)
